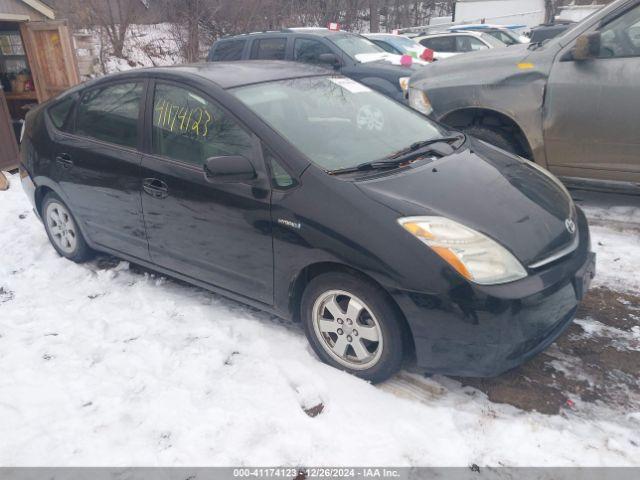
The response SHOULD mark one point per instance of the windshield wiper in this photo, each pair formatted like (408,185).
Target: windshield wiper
(414,147)
(412,152)
(367,166)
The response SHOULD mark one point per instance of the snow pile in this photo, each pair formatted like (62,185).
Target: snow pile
(614,221)
(147,46)
(104,365)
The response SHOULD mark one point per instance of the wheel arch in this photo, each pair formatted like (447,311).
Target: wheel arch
(40,193)
(311,271)
(487,117)
(45,185)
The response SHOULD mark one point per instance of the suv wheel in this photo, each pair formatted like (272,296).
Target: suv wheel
(352,326)
(62,229)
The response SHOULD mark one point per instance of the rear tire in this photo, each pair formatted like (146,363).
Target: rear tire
(62,229)
(495,137)
(352,326)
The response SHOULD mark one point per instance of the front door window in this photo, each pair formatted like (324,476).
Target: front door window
(189,128)
(621,37)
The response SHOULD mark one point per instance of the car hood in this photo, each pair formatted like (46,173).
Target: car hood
(487,61)
(388,58)
(486,189)
(389,62)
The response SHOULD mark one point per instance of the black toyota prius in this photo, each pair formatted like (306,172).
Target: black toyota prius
(308,195)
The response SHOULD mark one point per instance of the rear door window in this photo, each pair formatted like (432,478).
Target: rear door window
(228,50)
(309,51)
(269,49)
(440,44)
(111,113)
(190,128)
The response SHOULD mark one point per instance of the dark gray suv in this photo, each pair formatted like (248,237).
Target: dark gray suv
(352,55)
(571,104)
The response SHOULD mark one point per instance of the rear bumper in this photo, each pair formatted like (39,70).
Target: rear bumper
(480,331)
(29,187)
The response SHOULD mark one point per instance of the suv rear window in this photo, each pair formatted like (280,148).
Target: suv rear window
(228,50)
(268,49)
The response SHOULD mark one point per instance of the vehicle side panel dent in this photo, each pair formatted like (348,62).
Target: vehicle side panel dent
(519,96)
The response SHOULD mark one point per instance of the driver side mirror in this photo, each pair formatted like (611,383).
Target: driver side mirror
(229,169)
(587,46)
(329,59)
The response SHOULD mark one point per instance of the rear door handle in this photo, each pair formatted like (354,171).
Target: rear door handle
(63,160)
(156,188)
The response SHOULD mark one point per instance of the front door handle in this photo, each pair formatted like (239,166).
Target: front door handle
(156,188)
(63,160)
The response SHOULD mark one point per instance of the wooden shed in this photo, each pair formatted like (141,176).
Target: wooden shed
(37,61)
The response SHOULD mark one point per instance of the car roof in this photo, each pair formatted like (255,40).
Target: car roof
(478,28)
(319,31)
(234,74)
(381,35)
(472,33)
(323,32)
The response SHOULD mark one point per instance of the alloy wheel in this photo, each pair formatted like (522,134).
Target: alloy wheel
(61,226)
(347,329)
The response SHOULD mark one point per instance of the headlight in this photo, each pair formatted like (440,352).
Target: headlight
(419,101)
(473,255)
(404,84)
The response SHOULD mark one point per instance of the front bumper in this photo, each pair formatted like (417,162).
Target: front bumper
(482,331)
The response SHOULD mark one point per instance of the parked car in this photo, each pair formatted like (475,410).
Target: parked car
(401,45)
(351,55)
(446,45)
(506,35)
(570,104)
(315,198)
(548,31)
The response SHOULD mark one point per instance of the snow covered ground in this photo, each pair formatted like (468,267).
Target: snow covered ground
(102,364)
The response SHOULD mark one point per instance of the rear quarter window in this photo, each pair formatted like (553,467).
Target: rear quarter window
(60,112)
(228,50)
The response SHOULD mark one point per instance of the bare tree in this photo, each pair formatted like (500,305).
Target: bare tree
(374,16)
(115,17)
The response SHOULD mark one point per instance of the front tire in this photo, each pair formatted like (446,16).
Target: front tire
(62,229)
(352,326)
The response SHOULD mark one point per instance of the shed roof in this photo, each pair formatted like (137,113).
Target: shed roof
(22,10)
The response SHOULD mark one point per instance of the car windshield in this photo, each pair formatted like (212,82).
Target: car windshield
(504,36)
(336,122)
(354,45)
(493,41)
(404,42)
